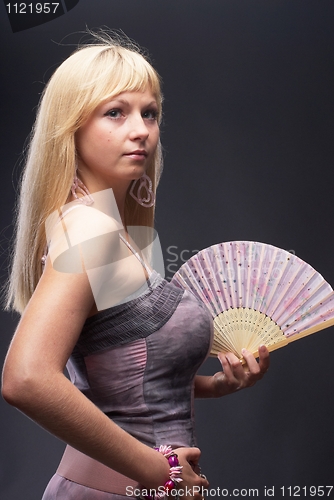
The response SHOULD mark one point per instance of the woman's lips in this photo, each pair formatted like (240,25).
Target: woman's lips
(139,154)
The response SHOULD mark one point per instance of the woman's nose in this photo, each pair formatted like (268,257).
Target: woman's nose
(138,128)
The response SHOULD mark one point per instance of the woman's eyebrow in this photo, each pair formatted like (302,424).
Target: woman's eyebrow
(126,103)
(152,102)
(116,100)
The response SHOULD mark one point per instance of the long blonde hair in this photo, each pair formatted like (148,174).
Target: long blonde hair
(92,74)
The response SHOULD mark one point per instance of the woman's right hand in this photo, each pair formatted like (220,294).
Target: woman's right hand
(192,483)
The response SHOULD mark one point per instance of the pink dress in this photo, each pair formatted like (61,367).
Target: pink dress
(137,361)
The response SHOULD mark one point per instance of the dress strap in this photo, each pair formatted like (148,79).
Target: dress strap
(136,254)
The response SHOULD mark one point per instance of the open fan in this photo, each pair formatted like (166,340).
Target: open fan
(257,294)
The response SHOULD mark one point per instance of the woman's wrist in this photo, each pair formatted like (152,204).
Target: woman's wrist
(174,476)
(206,387)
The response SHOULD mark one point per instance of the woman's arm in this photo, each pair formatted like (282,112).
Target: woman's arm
(234,376)
(34,382)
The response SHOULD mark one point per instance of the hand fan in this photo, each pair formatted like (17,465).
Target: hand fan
(257,294)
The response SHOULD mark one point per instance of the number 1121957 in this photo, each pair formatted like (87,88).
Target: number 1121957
(31,8)
(306,491)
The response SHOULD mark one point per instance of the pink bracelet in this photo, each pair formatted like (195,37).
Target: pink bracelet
(174,474)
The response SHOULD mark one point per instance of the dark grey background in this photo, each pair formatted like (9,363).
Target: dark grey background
(248,138)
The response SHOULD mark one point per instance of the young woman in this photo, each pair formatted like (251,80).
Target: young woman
(89,299)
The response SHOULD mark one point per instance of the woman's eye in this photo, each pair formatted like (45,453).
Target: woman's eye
(150,114)
(113,113)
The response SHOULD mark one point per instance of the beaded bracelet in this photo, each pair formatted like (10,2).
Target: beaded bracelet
(174,473)
(175,468)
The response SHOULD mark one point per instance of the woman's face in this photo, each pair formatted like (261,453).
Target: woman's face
(117,143)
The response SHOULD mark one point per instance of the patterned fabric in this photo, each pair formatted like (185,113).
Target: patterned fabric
(132,320)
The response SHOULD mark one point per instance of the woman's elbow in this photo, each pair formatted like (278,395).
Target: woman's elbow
(8,392)
(17,388)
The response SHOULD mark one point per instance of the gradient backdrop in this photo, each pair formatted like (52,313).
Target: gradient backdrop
(248,136)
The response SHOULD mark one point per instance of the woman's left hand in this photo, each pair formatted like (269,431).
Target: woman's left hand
(234,376)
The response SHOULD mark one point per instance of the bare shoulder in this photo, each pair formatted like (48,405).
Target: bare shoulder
(56,312)
(83,238)
(63,298)
(84,222)
(50,326)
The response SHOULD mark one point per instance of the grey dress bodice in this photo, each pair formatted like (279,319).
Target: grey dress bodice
(137,362)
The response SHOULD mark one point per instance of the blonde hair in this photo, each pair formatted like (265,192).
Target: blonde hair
(92,74)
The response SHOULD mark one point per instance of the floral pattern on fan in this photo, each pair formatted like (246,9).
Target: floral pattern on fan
(257,294)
